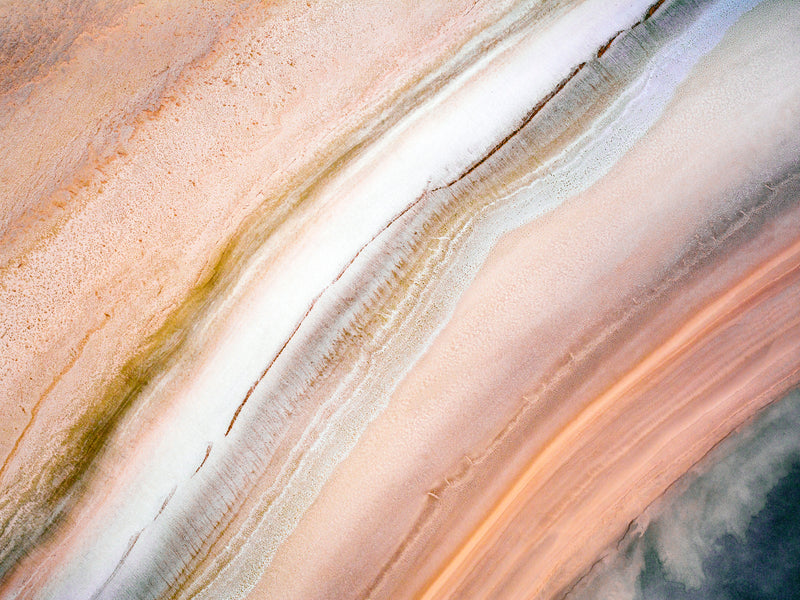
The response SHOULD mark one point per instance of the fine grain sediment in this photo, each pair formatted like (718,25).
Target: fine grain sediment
(412,303)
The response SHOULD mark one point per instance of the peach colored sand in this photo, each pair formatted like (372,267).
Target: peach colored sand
(601,351)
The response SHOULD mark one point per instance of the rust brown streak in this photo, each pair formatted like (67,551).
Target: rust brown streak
(313,303)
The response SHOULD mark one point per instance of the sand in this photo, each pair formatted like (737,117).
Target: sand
(310,301)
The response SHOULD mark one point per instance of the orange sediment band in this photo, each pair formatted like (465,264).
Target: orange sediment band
(782,270)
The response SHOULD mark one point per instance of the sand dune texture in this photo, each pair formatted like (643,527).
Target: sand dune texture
(381,299)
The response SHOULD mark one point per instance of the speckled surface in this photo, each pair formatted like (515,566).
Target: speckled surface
(380,300)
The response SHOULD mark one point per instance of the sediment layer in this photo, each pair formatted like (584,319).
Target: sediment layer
(321,311)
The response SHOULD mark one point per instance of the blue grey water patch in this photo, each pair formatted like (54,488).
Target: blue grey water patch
(728,530)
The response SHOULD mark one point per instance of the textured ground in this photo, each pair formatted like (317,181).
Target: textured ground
(385,299)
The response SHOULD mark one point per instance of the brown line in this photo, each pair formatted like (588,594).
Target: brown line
(166,501)
(205,458)
(131,544)
(541,104)
(316,299)
(652,10)
(525,120)
(607,45)
(35,410)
